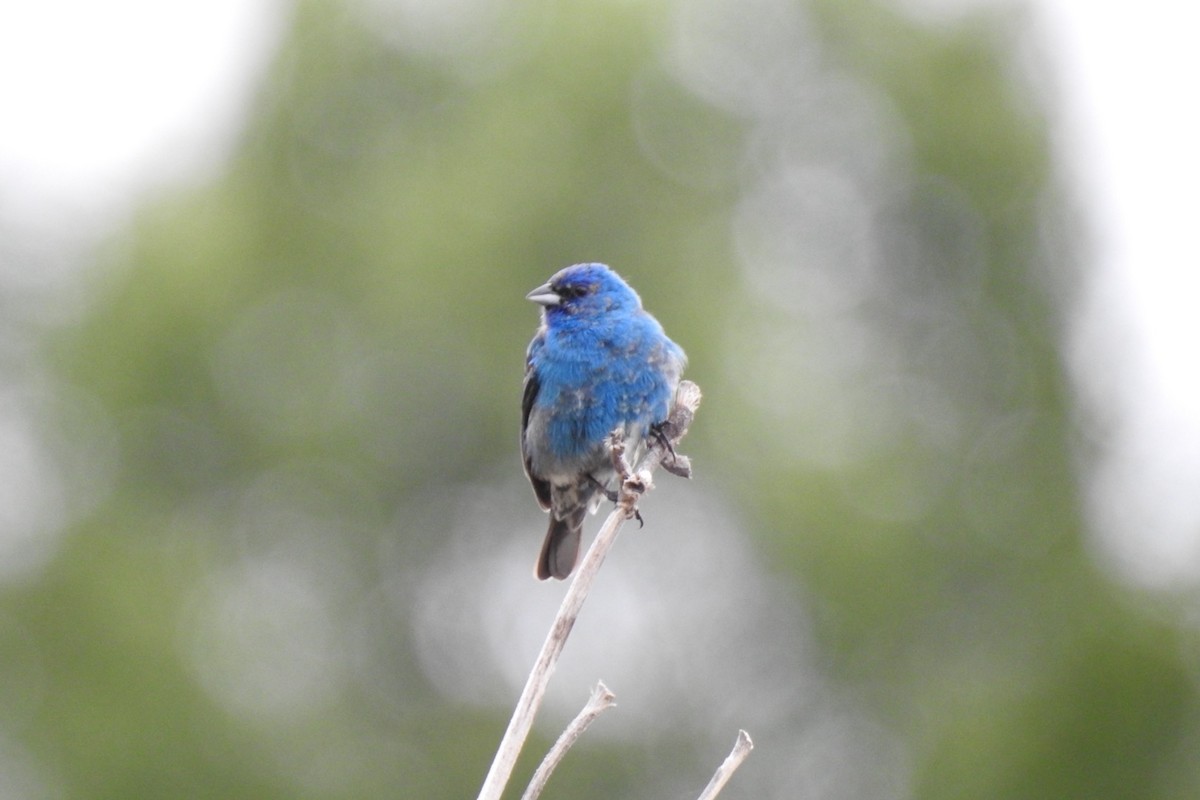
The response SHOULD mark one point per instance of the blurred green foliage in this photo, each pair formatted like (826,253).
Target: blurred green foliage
(341,306)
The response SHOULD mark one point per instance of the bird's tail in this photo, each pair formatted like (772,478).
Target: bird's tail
(560,550)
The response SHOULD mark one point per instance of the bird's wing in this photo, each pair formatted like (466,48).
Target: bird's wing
(531,386)
(541,488)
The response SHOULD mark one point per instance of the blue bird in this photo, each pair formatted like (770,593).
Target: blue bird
(597,362)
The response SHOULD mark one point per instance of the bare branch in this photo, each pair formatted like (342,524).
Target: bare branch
(600,701)
(539,677)
(741,749)
(687,400)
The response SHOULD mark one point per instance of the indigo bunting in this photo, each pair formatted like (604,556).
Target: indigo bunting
(597,362)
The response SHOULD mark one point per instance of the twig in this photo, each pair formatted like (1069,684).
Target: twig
(687,400)
(600,701)
(741,749)
(539,677)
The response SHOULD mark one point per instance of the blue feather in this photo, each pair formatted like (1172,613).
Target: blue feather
(598,362)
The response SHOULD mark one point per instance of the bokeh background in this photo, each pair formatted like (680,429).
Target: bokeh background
(263,527)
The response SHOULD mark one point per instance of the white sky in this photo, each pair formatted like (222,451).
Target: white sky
(101,101)
(1131,140)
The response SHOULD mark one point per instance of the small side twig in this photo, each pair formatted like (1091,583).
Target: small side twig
(600,701)
(741,749)
(687,400)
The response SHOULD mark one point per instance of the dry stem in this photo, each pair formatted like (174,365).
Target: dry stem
(600,701)
(741,749)
(687,400)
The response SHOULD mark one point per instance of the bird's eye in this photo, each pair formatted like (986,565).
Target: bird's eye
(570,291)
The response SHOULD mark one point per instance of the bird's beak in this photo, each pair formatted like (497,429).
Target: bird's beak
(544,296)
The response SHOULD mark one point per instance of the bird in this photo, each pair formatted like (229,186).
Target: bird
(598,362)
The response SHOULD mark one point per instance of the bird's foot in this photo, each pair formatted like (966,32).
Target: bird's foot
(632,488)
(609,494)
(676,464)
(660,437)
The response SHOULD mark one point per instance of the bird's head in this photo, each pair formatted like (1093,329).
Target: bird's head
(585,290)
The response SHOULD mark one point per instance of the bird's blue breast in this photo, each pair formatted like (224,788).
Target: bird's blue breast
(594,378)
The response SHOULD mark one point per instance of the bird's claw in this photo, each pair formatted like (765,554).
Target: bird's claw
(677,464)
(661,438)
